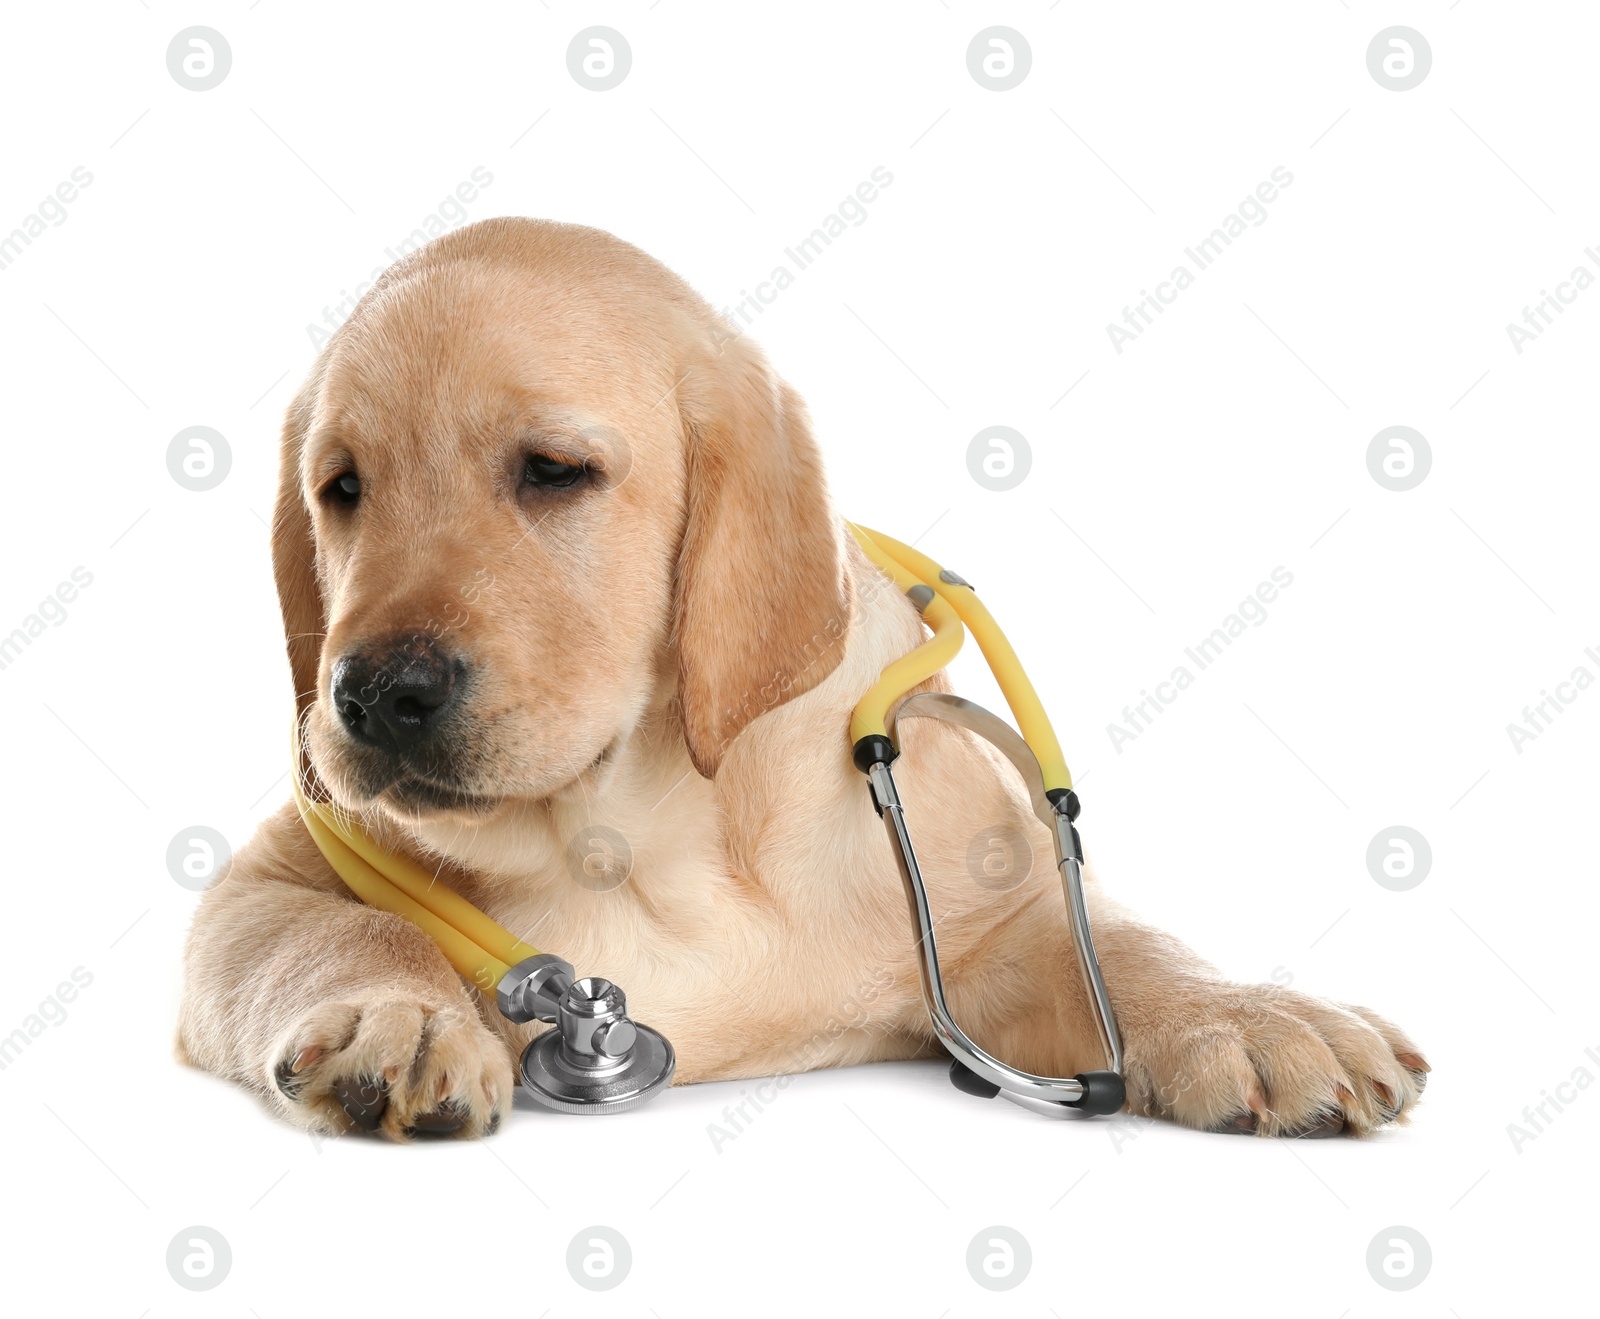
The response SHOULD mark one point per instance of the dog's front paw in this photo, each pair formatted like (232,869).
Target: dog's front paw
(392,1064)
(1272,1062)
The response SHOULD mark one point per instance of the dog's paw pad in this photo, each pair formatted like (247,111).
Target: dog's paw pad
(1321,1127)
(364,1098)
(398,1067)
(445,1120)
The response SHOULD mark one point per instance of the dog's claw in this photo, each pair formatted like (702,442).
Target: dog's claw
(1417,1065)
(1386,1097)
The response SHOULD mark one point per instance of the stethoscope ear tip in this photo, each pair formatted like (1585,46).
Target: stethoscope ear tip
(969,1082)
(1103,1093)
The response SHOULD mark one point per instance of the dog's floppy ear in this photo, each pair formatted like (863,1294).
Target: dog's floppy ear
(294,557)
(762,601)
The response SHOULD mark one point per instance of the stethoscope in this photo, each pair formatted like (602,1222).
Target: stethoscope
(947,601)
(598,1059)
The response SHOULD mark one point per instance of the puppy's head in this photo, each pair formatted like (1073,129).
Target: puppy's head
(532,485)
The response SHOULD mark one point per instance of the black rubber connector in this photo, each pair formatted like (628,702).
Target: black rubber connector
(873,749)
(1072,806)
(969,1082)
(1103,1093)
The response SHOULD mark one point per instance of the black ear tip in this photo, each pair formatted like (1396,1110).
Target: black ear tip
(873,749)
(1103,1093)
(969,1082)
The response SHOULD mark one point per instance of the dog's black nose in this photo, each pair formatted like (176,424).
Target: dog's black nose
(391,696)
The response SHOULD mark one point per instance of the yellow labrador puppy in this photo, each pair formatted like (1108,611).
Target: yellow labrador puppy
(574,531)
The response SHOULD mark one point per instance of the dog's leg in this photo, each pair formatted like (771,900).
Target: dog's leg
(1219,1056)
(344,1017)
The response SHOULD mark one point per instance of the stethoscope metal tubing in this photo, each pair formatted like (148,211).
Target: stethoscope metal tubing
(1043,1093)
(1056,1091)
(1083,939)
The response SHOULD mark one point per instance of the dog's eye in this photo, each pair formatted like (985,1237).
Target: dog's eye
(541,471)
(344,489)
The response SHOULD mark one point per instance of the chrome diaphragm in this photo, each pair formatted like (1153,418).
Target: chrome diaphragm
(597,1059)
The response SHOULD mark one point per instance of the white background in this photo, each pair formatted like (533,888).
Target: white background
(1229,439)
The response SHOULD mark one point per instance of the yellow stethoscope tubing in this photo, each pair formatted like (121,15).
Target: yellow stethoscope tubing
(872,711)
(480,948)
(910,568)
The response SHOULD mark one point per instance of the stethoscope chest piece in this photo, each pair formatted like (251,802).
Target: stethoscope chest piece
(597,1059)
